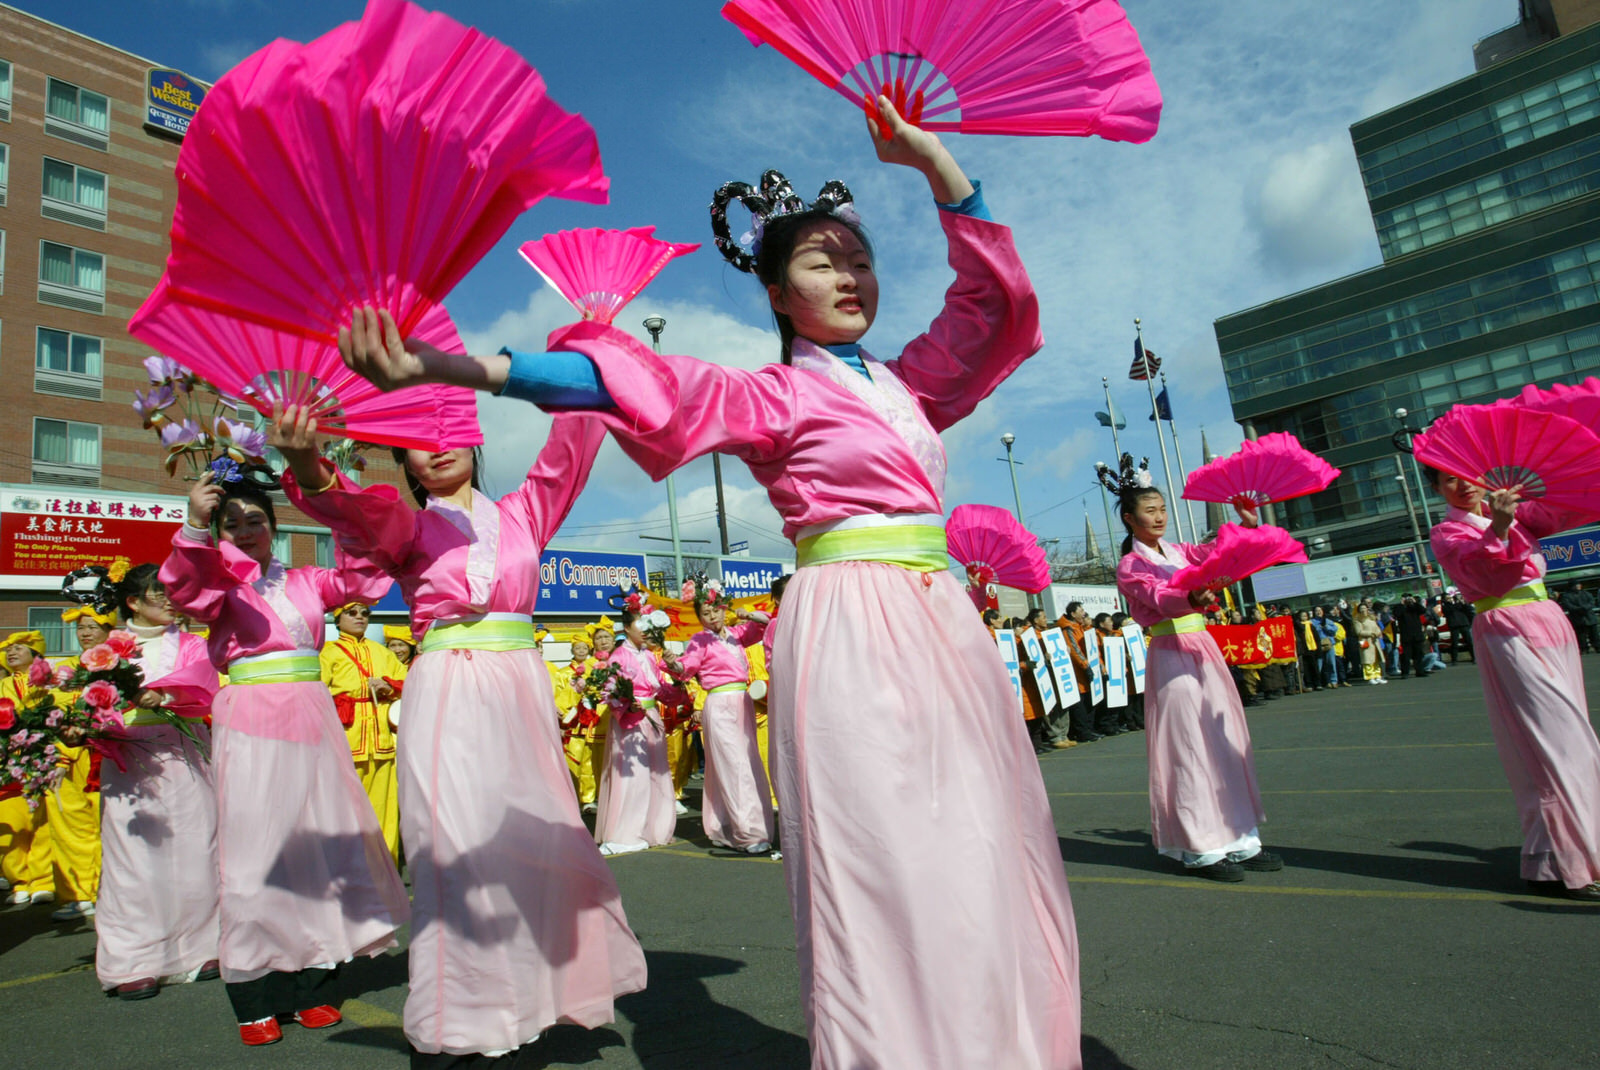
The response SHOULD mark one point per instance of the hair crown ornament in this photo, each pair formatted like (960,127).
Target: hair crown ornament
(1129,478)
(95,586)
(775,198)
(701,590)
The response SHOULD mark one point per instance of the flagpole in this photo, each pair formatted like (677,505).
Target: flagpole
(1177,448)
(1111,411)
(1166,465)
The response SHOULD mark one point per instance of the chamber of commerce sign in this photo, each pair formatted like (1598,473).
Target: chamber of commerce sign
(48,534)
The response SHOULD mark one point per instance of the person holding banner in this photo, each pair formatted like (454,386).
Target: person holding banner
(1042,701)
(1133,636)
(1532,678)
(1205,807)
(1108,714)
(1075,625)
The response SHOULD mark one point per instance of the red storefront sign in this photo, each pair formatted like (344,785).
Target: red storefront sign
(50,534)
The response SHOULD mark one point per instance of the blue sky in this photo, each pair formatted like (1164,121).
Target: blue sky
(1250,191)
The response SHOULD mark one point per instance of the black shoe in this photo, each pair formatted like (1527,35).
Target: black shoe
(1226,871)
(1086,737)
(1589,893)
(1262,862)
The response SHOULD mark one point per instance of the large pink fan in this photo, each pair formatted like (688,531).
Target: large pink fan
(990,542)
(1552,457)
(599,271)
(1239,552)
(375,165)
(1272,468)
(1072,67)
(265,367)
(1580,403)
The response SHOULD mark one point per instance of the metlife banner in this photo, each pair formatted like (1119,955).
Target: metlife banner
(743,576)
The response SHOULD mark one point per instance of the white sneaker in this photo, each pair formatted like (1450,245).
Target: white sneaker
(622,848)
(682,809)
(44,897)
(19,898)
(73,911)
(590,808)
(5,885)
(759,849)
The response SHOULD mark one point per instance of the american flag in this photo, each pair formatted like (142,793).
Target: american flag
(1145,364)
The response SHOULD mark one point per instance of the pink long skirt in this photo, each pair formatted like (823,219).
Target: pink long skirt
(518,924)
(1203,796)
(1540,719)
(306,878)
(157,912)
(736,810)
(636,802)
(933,923)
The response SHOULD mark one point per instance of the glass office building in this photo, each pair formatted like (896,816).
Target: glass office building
(1485,195)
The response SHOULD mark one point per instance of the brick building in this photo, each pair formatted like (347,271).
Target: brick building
(89,135)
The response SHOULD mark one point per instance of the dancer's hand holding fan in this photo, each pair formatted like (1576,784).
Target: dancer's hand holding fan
(1040,67)
(995,548)
(1545,456)
(1237,552)
(599,271)
(372,167)
(1273,468)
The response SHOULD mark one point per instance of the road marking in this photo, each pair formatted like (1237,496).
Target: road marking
(1199,884)
(696,854)
(368,1015)
(36,978)
(1316,791)
(1370,746)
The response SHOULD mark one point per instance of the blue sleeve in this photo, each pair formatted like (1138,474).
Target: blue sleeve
(563,380)
(973,205)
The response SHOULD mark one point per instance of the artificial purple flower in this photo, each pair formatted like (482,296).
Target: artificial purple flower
(246,439)
(163,369)
(180,434)
(157,398)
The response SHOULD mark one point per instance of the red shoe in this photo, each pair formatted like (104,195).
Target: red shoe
(143,988)
(319,1017)
(210,971)
(256,1034)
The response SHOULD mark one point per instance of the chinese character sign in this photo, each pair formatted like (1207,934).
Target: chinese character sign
(1254,645)
(1136,655)
(50,534)
(1116,670)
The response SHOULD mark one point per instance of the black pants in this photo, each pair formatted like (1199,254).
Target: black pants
(1133,712)
(1461,643)
(1411,651)
(1080,716)
(1588,637)
(279,994)
(1311,669)
(1107,718)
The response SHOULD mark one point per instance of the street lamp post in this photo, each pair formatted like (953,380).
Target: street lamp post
(1416,470)
(1016,494)
(655,325)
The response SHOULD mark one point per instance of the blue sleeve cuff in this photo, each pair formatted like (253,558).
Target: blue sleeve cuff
(973,205)
(563,380)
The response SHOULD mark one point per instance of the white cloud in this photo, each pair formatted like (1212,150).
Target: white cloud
(1311,210)
(219,57)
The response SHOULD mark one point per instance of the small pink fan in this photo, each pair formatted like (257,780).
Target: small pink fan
(1239,552)
(990,542)
(1040,67)
(264,367)
(599,271)
(1272,468)
(375,165)
(1552,457)
(1580,403)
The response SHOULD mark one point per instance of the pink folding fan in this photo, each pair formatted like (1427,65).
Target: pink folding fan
(375,165)
(1580,403)
(264,367)
(1239,552)
(599,271)
(1272,468)
(990,542)
(1552,457)
(1064,67)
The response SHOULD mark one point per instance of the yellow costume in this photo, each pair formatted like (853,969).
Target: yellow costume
(348,666)
(757,656)
(25,855)
(586,747)
(74,818)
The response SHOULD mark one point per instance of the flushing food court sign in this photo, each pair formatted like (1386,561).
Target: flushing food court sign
(171,99)
(46,532)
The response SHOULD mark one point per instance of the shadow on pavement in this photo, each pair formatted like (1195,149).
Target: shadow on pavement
(1097,1055)
(678,1026)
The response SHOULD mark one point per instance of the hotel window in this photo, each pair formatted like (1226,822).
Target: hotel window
(66,453)
(2,261)
(5,90)
(71,278)
(78,115)
(68,365)
(60,638)
(74,194)
(5,172)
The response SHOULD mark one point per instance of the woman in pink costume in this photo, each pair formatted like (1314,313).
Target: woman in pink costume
(307,882)
(637,804)
(934,925)
(1531,678)
(1205,808)
(156,919)
(736,809)
(518,924)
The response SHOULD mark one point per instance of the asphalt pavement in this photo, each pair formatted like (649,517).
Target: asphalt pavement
(1399,935)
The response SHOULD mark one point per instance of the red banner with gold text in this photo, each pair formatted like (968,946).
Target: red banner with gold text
(1251,646)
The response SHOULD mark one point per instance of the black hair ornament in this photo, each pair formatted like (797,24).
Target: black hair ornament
(1129,478)
(775,198)
(91,586)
